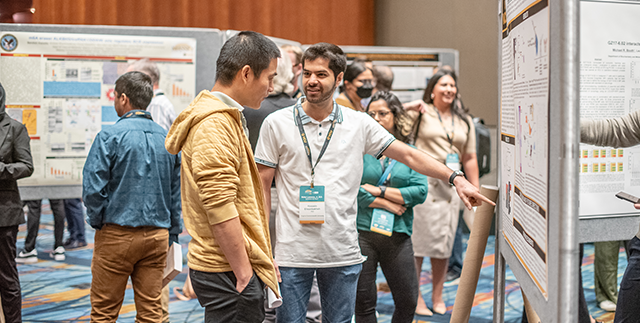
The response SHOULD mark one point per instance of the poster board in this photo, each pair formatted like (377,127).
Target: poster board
(610,88)
(59,82)
(412,66)
(537,214)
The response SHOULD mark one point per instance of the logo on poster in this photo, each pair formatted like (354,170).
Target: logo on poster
(9,42)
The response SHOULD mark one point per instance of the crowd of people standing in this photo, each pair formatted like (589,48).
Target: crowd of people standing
(305,197)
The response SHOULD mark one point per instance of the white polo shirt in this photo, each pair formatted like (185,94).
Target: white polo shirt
(334,243)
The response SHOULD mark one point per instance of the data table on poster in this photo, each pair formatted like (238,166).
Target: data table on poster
(61,87)
(609,88)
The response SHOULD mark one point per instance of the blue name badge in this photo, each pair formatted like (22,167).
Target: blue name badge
(312,204)
(382,222)
(453,161)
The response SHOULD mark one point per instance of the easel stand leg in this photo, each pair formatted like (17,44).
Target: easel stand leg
(473,259)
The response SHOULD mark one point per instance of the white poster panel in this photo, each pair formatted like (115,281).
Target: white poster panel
(524,134)
(609,88)
(60,86)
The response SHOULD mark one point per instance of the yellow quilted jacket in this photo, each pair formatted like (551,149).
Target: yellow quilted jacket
(219,181)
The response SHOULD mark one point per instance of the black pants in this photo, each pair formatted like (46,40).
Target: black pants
(218,295)
(628,309)
(9,279)
(583,309)
(33,222)
(395,256)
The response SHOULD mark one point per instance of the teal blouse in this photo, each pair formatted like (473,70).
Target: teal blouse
(412,185)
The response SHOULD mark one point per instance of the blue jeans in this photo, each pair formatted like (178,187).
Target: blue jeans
(75,219)
(627,308)
(337,287)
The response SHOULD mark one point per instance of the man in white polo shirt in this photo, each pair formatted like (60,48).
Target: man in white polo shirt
(315,149)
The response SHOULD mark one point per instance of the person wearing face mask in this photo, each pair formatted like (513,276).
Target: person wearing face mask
(443,130)
(358,85)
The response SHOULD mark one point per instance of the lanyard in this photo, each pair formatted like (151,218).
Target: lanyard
(137,113)
(450,139)
(386,172)
(305,140)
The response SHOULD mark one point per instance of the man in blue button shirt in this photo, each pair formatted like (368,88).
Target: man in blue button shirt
(131,188)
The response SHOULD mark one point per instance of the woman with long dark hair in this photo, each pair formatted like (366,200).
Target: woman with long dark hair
(445,131)
(388,192)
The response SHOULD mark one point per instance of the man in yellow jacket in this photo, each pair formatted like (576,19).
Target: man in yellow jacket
(222,200)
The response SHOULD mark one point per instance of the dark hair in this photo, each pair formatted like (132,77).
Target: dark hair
(384,77)
(353,70)
(401,122)
(138,88)
(332,53)
(456,105)
(246,48)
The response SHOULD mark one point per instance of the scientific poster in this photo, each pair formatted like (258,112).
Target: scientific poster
(524,132)
(60,86)
(609,88)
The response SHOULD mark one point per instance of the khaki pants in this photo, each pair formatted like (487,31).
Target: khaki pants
(605,270)
(123,252)
(165,304)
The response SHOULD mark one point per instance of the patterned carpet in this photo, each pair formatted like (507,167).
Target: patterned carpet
(59,291)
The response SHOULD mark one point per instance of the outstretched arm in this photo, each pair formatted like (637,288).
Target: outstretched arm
(426,165)
(618,132)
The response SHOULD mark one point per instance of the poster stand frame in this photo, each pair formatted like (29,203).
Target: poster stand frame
(561,301)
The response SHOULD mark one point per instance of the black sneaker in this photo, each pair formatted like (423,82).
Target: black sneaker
(25,257)
(75,244)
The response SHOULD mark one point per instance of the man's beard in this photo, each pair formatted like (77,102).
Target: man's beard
(323,96)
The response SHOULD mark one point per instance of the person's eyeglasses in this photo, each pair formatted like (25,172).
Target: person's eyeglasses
(382,114)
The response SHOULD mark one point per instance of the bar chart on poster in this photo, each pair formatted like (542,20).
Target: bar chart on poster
(609,88)
(61,87)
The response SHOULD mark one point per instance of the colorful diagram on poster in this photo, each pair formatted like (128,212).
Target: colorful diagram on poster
(61,87)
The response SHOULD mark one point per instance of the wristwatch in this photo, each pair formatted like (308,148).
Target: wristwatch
(382,190)
(455,174)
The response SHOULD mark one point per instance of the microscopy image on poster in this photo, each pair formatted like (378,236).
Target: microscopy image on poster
(524,131)
(61,87)
(609,88)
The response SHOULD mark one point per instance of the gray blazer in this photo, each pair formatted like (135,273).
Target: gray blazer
(15,163)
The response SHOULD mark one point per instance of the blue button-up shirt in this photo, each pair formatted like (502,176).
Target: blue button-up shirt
(130,179)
